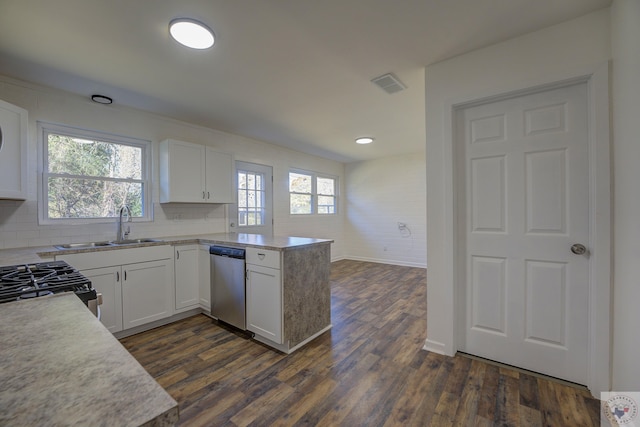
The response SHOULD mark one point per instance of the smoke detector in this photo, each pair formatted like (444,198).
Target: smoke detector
(389,83)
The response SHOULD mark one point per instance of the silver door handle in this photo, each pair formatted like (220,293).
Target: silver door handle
(578,249)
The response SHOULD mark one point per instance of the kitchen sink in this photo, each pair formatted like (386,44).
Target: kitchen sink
(134,241)
(84,245)
(89,245)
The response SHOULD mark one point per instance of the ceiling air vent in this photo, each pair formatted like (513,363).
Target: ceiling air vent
(389,83)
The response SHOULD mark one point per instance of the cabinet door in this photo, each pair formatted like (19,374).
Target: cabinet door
(264,302)
(187,272)
(182,172)
(205,278)
(147,292)
(107,282)
(13,152)
(219,177)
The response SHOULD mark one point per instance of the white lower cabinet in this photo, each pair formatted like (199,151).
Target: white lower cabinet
(147,292)
(264,294)
(137,284)
(193,272)
(204,266)
(107,282)
(187,277)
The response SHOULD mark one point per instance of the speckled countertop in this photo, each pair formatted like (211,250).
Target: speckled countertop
(60,367)
(279,243)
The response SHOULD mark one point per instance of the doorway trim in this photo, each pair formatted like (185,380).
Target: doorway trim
(597,80)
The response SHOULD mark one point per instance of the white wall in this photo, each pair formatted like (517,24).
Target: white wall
(18,220)
(379,194)
(548,55)
(625,42)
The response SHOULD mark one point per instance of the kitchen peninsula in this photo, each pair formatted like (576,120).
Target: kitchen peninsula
(298,307)
(288,284)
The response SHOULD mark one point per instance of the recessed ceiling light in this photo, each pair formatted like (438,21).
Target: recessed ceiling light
(191,33)
(101,99)
(364,140)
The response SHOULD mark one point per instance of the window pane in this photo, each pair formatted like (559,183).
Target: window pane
(92,198)
(254,217)
(77,156)
(242,199)
(326,186)
(250,199)
(300,204)
(242,180)
(299,183)
(326,204)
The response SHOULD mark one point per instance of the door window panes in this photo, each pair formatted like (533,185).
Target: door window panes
(251,199)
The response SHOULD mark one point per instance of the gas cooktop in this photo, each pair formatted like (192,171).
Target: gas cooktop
(26,281)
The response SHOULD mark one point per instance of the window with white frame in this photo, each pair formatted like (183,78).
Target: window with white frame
(89,175)
(311,193)
(251,198)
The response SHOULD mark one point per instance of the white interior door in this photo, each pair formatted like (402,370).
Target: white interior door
(525,203)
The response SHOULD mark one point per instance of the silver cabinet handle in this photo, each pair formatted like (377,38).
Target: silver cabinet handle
(208,195)
(117,276)
(578,249)
(177,254)
(203,194)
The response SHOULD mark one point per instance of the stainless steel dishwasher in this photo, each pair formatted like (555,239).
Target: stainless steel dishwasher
(228,285)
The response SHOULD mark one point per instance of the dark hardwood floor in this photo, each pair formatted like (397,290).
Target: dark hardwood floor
(369,370)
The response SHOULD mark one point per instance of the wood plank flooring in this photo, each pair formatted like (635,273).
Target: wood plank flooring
(369,370)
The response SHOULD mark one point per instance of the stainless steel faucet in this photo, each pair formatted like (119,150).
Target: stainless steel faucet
(122,233)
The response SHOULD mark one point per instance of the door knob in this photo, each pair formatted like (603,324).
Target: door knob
(578,249)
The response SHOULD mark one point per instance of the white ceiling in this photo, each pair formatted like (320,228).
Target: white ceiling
(291,72)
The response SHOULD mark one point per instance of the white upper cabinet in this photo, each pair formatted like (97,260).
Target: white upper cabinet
(192,173)
(13,152)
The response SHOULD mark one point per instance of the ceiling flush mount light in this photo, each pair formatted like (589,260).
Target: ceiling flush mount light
(191,33)
(101,99)
(364,140)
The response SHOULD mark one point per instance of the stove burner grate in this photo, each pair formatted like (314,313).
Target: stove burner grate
(34,280)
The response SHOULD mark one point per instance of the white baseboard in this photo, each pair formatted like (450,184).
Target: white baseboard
(384,261)
(157,323)
(435,346)
(285,347)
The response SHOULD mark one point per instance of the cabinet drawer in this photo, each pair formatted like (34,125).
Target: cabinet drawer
(263,257)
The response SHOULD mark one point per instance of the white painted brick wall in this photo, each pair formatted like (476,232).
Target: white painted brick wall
(381,193)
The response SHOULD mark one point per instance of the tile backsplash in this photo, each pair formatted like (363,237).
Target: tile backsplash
(19,225)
